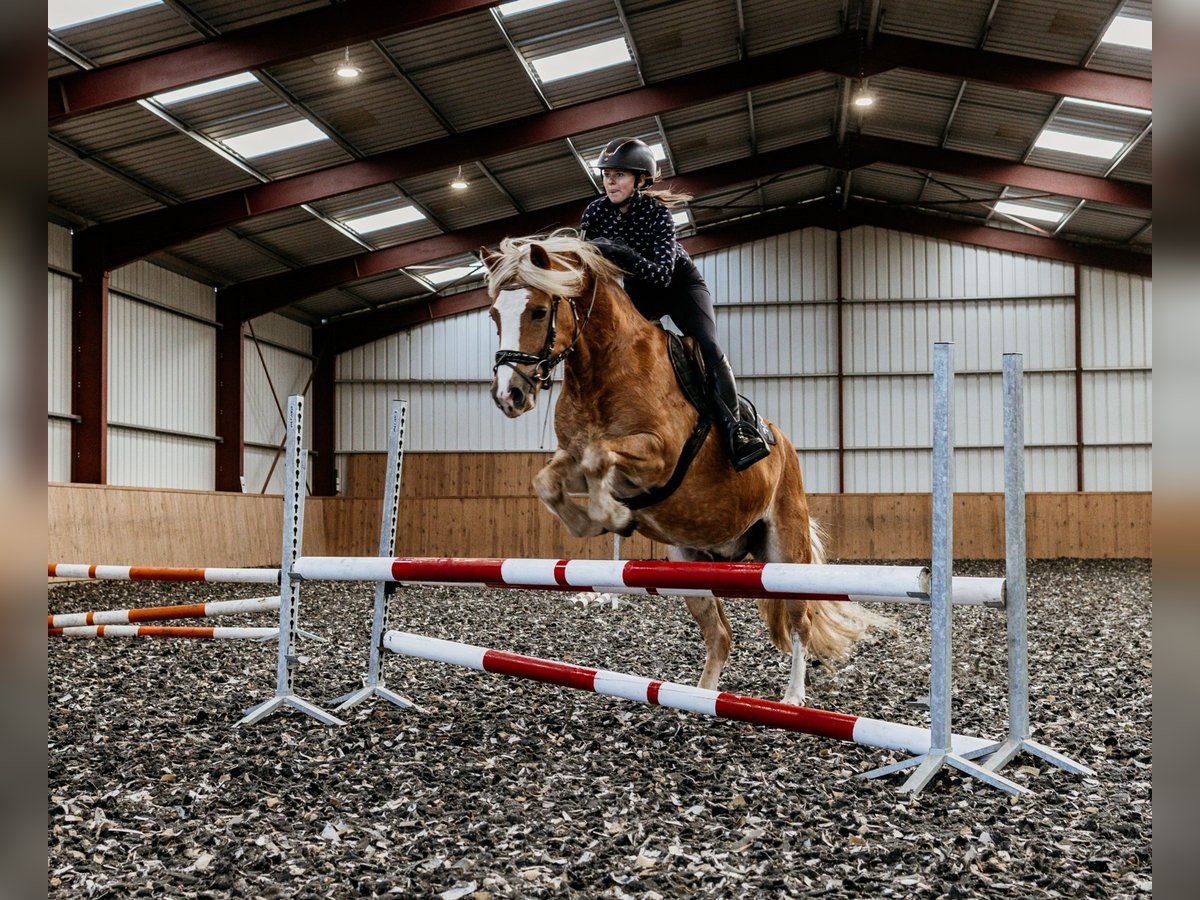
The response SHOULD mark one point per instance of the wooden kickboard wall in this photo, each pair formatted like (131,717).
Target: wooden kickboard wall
(481,504)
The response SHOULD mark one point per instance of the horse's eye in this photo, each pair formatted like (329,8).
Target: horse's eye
(537,313)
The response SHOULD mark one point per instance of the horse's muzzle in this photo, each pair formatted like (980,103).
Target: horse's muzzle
(512,399)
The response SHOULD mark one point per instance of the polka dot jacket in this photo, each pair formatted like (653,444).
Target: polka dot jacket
(647,229)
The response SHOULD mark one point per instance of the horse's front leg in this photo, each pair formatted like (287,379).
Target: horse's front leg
(558,476)
(620,466)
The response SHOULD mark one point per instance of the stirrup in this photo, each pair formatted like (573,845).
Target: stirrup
(746,447)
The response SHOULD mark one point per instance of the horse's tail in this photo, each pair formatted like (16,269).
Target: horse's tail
(834,627)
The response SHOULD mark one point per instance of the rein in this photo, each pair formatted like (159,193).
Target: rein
(545,361)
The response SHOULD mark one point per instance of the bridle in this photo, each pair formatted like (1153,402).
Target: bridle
(545,361)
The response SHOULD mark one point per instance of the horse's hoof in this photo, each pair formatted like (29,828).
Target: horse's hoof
(628,529)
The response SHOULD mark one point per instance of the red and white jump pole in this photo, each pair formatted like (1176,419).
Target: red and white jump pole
(842,727)
(159,613)
(168,631)
(162,573)
(800,581)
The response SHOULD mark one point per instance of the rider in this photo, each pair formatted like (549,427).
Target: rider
(633,228)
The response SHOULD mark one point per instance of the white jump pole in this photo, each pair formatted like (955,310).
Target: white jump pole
(162,573)
(161,613)
(374,685)
(941,751)
(295,471)
(858,729)
(193,632)
(1017,639)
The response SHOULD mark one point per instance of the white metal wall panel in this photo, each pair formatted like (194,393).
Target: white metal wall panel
(160,368)
(899,336)
(160,460)
(779,340)
(263,424)
(1117,322)
(801,265)
(58,246)
(1118,469)
(58,375)
(160,376)
(448,416)
(289,373)
(279,330)
(58,353)
(143,279)
(776,321)
(881,264)
(58,450)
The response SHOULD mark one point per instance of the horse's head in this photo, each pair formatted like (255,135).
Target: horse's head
(542,290)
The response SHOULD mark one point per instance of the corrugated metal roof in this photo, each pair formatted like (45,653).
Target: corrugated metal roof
(228,14)
(959,22)
(82,189)
(134,33)
(909,105)
(775,24)
(1104,221)
(180,167)
(998,121)
(471,70)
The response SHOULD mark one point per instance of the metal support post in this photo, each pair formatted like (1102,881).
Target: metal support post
(1019,736)
(374,685)
(940,750)
(295,472)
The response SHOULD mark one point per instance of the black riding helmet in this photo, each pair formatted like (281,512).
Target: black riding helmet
(630,154)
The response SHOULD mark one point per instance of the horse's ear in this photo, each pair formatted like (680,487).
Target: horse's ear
(538,256)
(489,258)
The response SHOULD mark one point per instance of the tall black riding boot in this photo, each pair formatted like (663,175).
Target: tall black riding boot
(746,445)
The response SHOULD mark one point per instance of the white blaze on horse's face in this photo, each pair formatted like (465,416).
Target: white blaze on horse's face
(513,394)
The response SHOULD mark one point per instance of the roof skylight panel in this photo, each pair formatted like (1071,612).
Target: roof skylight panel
(1130,32)
(275,139)
(522,6)
(69,13)
(204,88)
(1065,142)
(391,218)
(582,60)
(445,276)
(1027,211)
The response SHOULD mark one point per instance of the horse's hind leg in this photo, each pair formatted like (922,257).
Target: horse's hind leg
(710,616)
(788,539)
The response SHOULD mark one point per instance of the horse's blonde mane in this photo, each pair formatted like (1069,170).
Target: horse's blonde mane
(576,257)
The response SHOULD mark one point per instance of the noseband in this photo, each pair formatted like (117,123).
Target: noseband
(545,361)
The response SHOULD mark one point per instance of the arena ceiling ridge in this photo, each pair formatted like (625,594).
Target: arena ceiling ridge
(1004,123)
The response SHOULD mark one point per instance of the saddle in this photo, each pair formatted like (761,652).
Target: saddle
(693,381)
(689,372)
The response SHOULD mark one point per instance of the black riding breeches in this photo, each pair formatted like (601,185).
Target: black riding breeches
(687,301)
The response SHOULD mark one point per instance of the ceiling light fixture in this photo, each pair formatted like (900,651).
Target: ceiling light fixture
(460,183)
(863,97)
(347,69)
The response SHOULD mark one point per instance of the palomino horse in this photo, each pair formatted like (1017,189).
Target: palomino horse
(621,422)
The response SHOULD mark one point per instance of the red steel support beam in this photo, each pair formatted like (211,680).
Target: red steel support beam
(252,47)
(893,51)
(355,331)
(89,370)
(137,236)
(262,295)
(230,453)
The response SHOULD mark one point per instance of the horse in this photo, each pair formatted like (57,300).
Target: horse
(621,422)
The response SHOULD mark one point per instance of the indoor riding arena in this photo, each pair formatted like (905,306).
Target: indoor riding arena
(393,552)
